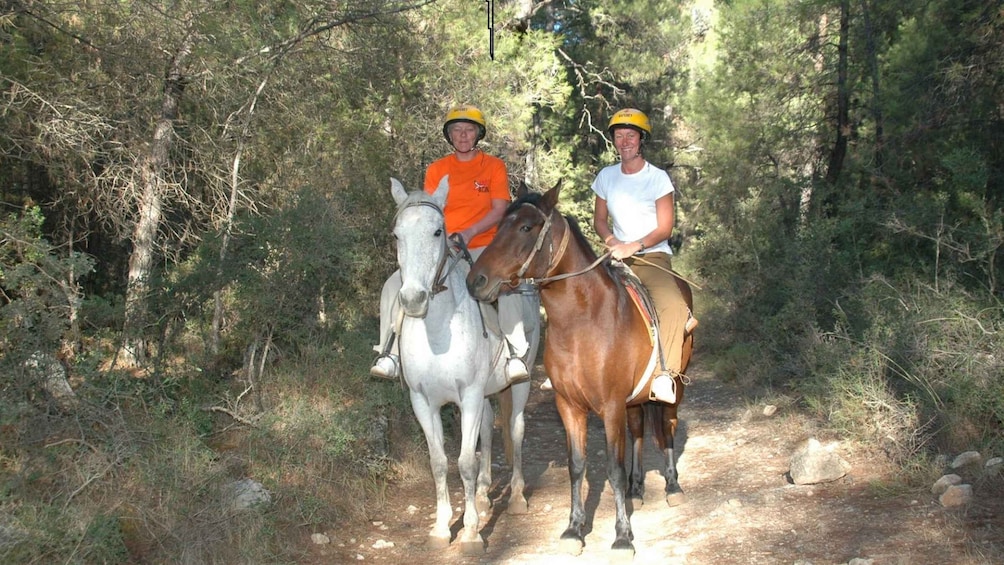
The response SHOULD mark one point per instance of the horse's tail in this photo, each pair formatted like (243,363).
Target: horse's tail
(505,413)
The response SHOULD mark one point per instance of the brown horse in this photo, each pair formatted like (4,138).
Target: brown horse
(596,349)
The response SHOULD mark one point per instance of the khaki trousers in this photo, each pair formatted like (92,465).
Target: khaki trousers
(670,306)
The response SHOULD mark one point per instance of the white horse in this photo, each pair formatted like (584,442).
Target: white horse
(449,355)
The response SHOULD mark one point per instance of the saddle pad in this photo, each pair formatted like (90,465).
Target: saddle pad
(642,300)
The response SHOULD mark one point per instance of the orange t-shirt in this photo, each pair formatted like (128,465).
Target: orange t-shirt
(473,186)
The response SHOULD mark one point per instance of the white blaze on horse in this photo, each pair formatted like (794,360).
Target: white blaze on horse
(450,355)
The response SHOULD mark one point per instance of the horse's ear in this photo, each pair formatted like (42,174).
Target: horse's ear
(439,196)
(550,199)
(397,190)
(522,190)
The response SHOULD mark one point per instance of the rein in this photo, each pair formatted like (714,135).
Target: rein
(556,257)
(641,259)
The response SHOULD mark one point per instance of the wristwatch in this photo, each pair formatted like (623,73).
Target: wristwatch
(642,244)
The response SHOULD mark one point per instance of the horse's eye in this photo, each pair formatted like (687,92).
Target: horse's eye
(525,228)
(439,232)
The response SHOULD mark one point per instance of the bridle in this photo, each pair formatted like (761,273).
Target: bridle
(439,280)
(554,256)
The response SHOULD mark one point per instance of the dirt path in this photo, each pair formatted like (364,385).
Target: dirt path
(740,507)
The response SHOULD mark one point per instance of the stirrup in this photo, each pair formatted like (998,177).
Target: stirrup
(691,324)
(663,388)
(516,371)
(386,367)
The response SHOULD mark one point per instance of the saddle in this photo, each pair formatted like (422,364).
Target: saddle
(641,298)
(643,301)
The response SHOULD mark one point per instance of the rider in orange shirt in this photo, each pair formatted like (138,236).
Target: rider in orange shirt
(478,197)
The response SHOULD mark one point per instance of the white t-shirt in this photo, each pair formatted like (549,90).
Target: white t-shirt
(631,201)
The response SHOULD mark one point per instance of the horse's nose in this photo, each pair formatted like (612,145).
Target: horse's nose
(475,283)
(415,303)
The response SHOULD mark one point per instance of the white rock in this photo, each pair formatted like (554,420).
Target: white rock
(956,495)
(769,410)
(412,509)
(247,493)
(383,544)
(813,463)
(942,484)
(967,458)
(320,539)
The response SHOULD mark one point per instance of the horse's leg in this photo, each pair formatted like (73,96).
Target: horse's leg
(481,501)
(574,420)
(432,424)
(615,427)
(665,437)
(471,416)
(519,394)
(636,417)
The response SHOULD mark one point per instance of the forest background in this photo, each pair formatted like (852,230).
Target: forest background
(196,220)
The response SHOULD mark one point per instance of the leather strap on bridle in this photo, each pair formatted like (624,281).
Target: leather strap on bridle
(555,255)
(439,280)
(544,230)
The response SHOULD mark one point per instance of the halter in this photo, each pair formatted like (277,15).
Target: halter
(439,280)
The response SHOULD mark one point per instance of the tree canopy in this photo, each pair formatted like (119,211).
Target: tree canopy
(197,191)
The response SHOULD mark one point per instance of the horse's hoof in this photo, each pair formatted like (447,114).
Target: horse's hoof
(676,498)
(438,542)
(473,547)
(621,552)
(571,546)
(518,506)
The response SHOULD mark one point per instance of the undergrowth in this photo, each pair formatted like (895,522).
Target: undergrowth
(139,472)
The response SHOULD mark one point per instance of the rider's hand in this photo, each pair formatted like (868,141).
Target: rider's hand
(621,250)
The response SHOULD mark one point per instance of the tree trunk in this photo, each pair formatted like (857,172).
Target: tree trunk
(214,341)
(144,239)
(843,125)
(873,68)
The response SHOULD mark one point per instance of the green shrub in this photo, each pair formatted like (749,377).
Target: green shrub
(920,370)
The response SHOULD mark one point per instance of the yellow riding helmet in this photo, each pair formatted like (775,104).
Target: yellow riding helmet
(631,118)
(465,113)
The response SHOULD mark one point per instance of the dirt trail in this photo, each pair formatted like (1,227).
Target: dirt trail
(740,506)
